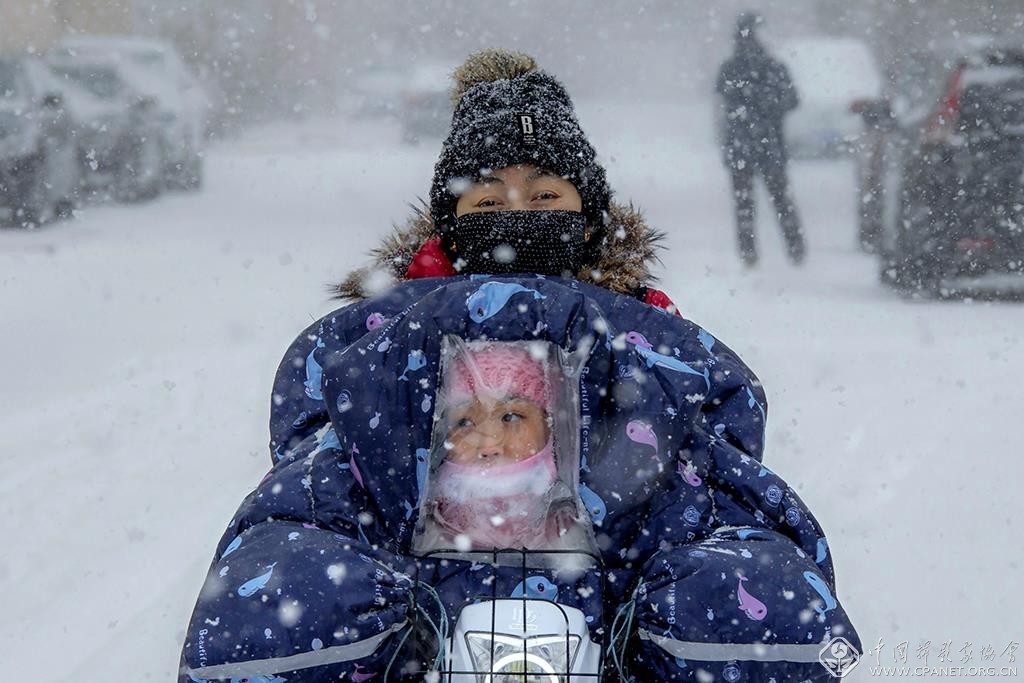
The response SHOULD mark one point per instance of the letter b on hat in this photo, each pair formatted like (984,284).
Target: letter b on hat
(526,128)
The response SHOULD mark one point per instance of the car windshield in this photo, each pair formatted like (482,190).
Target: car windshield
(10,81)
(148,58)
(102,82)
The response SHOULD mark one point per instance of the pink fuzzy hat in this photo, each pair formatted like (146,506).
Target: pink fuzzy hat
(504,369)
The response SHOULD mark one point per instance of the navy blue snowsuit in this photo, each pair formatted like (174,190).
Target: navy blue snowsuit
(725,569)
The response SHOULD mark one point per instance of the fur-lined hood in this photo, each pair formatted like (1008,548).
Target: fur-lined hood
(624,264)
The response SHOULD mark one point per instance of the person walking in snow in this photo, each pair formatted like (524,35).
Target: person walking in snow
(512,378)
(755,95)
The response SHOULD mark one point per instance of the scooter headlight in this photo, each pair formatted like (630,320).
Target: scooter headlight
(503,658)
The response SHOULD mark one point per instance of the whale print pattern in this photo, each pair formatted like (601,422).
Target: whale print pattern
(252,586)
(232,547)
(752,402)
(689,474)
(821,588)
(748,604)
(594,504)
(417,360)
(422,466)
(637,339)
(744,534)
(706,340)
(653,358)
(642,432)
(314,373)
(354,467)
(491,297)
(821,550)
(326,439)
(537,587)
(359,674)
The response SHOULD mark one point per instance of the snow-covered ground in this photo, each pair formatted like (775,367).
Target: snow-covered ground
(139,343)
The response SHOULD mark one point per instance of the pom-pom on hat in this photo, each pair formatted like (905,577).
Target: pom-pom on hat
(508,112)
(498,371)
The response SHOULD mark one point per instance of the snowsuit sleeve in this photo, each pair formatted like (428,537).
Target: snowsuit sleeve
(295,589)
(754,598)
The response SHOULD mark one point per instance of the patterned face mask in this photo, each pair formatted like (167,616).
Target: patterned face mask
(502,242)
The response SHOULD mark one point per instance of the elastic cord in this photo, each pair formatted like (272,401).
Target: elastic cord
(618,640)
(439,628)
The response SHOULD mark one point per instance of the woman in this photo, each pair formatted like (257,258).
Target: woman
(709,564)
(515,146)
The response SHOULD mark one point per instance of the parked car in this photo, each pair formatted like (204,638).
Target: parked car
(829,74)
(424,103)
(37,173)
(370,92)
(942,188)
(116,131)
(153,68)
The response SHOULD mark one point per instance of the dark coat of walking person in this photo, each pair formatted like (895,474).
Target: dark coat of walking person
(756,94)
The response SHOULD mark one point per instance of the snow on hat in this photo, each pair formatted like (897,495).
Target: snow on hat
(508,112)
(504,370)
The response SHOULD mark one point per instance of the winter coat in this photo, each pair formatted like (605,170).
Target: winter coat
(756,93)
(712,560)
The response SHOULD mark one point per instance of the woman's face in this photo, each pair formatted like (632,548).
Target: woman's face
(519,188)
(500,432)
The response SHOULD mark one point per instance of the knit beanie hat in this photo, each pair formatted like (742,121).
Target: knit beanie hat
(500,370)
(508,112)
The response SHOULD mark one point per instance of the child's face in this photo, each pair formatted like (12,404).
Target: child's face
(498,432)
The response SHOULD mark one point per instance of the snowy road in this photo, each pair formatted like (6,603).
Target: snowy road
(139,344)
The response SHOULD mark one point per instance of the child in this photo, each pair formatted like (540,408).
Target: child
(497,484)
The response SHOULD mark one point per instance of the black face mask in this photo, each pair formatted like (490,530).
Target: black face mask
(502,242)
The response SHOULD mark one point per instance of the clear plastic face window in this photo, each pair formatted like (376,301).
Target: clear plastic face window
(504,457)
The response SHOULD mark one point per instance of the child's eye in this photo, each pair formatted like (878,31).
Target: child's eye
(463,423)
(484,203)
(545,195)
(511,417)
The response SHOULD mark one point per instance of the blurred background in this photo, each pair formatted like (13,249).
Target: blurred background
(266,58)
(182,181)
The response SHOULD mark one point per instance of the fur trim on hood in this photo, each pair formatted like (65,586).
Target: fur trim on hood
(624,264)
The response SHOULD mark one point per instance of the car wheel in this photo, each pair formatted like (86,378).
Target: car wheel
(141,178)
(922,253)
(870,200)
(191,174)
(870,225)
(61,171)
(30,211)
